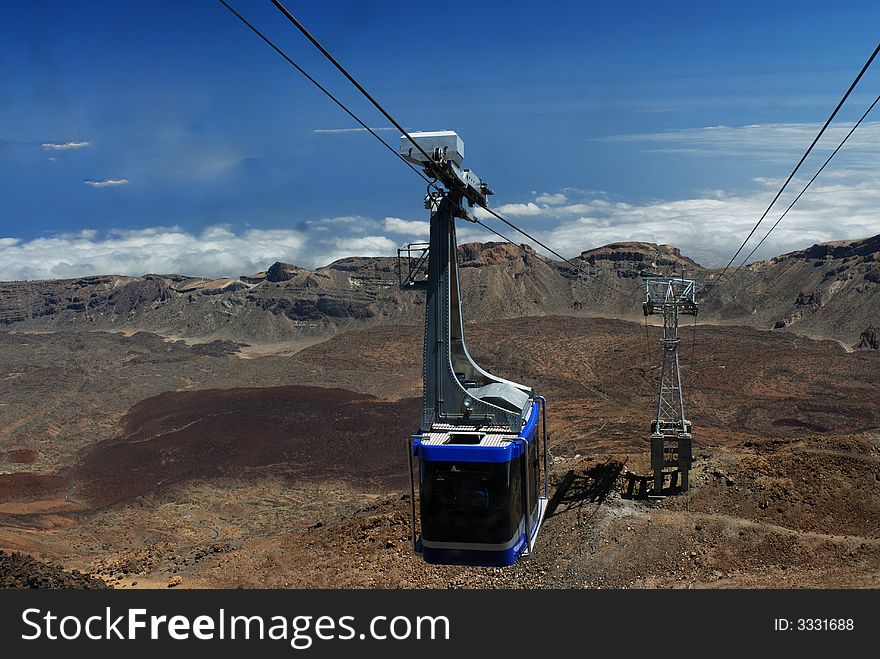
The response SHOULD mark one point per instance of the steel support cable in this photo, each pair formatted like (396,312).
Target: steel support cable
(302,28)
(326,53)
(806,187)
(430,182)
(324,90)
(549,249)
(512,242)
(392,120)
(500,235)
(308,77)
(797,167)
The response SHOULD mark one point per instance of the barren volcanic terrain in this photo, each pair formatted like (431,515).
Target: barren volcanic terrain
(149,462)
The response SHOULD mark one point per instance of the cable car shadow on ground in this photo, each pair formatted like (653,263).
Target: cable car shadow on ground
(576,490)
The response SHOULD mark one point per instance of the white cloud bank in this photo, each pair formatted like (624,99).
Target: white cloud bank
(411,228)
(707,227)
(215,252)
(554,199)
(65,146)
(842,204)
(106,183)
(771,142)
(711,226)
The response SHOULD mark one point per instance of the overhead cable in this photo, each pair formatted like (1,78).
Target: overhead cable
(806,187)
(302,28)
(796,168)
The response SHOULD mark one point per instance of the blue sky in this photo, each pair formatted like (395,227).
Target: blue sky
(166,137)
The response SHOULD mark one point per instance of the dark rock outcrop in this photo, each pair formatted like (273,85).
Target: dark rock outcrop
(642,256)
(868,247)
(869,339)
(23,571)
(282,271)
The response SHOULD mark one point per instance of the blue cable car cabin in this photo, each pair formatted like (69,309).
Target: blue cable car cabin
(479,499)
(478,447)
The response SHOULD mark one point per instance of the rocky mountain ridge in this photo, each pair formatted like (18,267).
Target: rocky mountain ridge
(830,289)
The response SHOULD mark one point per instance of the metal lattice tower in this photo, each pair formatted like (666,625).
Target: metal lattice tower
(671,437)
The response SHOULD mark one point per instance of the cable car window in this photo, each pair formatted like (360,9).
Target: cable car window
(470,502)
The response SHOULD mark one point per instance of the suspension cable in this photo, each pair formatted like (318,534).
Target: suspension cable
(797,167)
(302,28)
(390,118)
(800,194)
(323,89)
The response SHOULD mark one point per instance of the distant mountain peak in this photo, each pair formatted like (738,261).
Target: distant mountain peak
(831,290)
(491,253)
(279,271)
(649,254)
(866,249)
